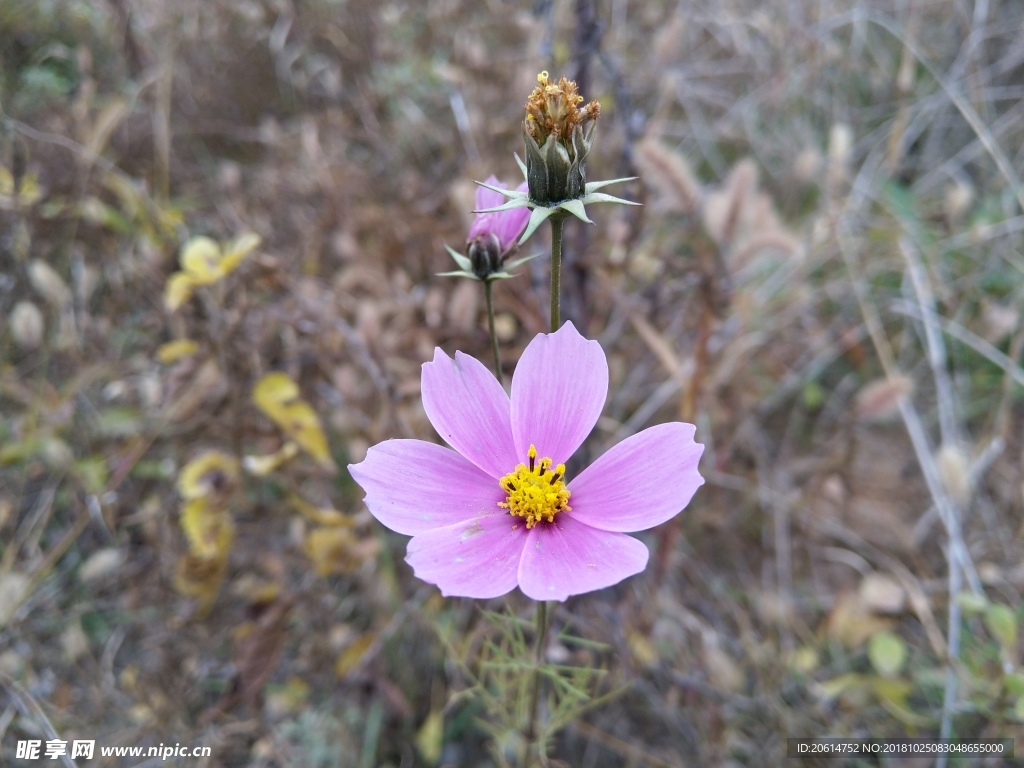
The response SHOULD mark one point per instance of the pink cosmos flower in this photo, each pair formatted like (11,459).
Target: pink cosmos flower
(497,511)
(504,226)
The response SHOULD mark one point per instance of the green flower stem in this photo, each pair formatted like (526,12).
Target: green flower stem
(490,327)
(556,269)
(543,623)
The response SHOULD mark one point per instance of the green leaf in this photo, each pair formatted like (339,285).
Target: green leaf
(1018,710)
(887,653)
(1014,683)
(830,689)
(1001,623)
(972,604)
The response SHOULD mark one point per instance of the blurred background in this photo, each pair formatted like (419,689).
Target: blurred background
(825,276)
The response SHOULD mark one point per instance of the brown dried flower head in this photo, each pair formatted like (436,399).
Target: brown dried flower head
(553,110)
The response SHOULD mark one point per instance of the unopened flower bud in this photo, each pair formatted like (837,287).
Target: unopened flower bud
(485,255)
(558,135)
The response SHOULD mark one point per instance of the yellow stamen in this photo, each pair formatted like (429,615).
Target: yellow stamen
(533,495)
(553,109)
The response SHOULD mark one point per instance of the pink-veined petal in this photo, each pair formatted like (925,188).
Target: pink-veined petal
(470,410)
(476,558)
(567,557)
(488,198)
(558,392)
(641,482)
(413,486)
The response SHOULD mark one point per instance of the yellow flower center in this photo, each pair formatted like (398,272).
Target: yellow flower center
(534,491)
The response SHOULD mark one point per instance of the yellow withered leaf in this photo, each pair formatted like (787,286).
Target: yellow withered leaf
(212,472)
(337,550)
(264,465)
(239,248)
(351,656)
(320,515)
(204,262)
(178,290)
(200,578)
(209,530)
(278,397)
(430,737)
(176,350)
(28,190)
(201,260)
(274,392)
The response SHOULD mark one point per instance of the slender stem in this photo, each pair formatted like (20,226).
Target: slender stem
(556,269)
(490,327)
(543,622)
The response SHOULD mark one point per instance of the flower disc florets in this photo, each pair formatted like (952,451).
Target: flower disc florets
(533,493)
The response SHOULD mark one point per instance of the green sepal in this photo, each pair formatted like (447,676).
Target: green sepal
(510,193)
(601,197)
(575,207)
(593,186)
(539,216)
(459,273)
(511,205)
(522,165)
(518,262)
(462,261)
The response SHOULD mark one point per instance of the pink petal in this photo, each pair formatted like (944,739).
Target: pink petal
(488,198)
(475,558)
(567,557)
(483,224)
(641,482)
(509,225)
(470,410)
(413,486)
(558,391)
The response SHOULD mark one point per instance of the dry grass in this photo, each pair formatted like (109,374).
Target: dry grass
(826,278)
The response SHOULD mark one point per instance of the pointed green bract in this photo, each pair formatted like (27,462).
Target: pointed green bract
(517,262)
(538,217)
(512,193)
(601,197)
(521,164)
(593,186)
(575,207)
(511,205)
(463,261)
